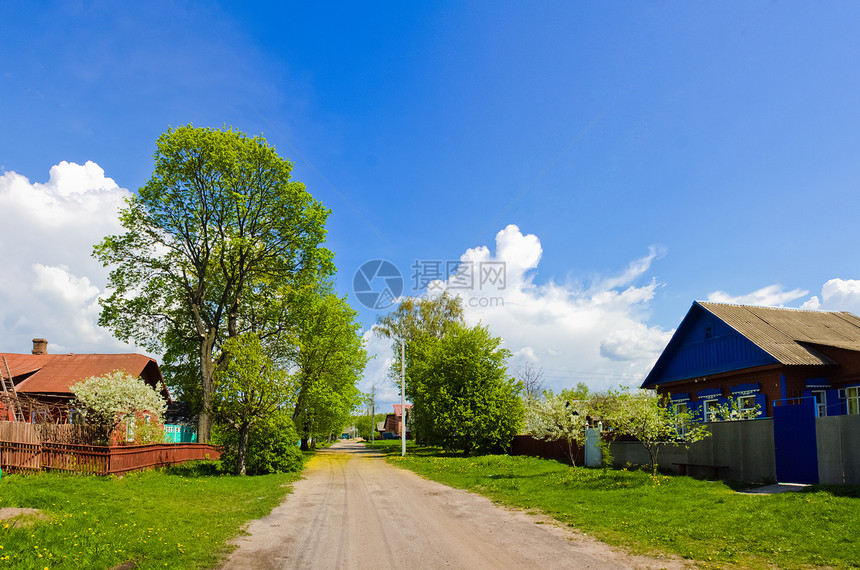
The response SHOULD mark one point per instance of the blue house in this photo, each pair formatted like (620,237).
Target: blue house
(761,356)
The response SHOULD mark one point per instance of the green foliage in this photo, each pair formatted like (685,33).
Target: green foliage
(330,358)
(214,243)
(272,446)
(108,400)
(651,421)
(365,425)
(462,398)
(704,522)
(151,519)
(416,318)
(249,389)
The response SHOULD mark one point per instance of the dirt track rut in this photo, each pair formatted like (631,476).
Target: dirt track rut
(354,511)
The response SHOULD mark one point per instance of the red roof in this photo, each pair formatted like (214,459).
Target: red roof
(55,373)
(397,411)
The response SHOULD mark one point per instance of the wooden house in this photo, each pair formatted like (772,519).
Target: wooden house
(43,381)
(761,355)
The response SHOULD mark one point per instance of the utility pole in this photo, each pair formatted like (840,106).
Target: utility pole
(402,397)
(372,414)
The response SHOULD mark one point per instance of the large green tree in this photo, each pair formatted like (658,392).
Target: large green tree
(214,242)
(462,397)
(330,358)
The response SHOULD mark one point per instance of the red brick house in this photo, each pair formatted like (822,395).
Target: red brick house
(761,355)
(43,380)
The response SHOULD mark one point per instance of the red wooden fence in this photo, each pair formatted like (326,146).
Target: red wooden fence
(26,454)
(527,445)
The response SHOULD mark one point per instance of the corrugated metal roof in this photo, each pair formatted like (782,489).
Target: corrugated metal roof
(55,373)
(398,412)
(789,335)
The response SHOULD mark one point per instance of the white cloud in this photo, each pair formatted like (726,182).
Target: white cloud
(376,373)
(837,295)
(770,296)
(596,333)
(50,284)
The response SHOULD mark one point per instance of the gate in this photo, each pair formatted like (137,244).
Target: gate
(794,441)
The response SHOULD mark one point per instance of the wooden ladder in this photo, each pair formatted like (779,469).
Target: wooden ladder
(9,390)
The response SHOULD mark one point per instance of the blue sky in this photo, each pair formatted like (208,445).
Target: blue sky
(622,159)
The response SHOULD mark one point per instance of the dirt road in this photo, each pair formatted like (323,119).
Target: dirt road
(353,510)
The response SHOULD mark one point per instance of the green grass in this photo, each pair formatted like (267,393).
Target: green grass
(181,518)
(698,520)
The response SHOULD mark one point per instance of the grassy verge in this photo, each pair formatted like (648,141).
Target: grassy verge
(180,518)
(703,521)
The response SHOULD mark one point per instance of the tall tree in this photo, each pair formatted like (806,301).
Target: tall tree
(416,318)
(462,397)
(219,226)
(249,388)
(330,359)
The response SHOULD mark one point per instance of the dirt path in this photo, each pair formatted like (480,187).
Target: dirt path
(353,510)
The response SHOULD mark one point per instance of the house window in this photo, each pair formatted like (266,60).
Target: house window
(746,404)
(38,417)
(709,332)
(852,400)
(709,410)
(681,423)
(820,397)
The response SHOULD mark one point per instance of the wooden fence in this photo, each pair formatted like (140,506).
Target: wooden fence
(22,451)
(527,445)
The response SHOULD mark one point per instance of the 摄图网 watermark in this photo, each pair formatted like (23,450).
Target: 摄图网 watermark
(378,283)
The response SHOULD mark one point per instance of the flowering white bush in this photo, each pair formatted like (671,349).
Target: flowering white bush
(652,420)
(108,400)
(558,418)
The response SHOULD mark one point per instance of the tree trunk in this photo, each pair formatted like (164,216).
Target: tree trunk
(207,383)
(241,451)
(571,453)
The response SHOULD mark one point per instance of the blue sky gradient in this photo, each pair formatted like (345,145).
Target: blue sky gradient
(722,137)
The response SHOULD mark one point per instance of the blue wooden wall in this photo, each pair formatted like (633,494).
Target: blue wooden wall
(704,345)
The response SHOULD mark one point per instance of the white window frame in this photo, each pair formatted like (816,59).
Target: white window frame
(709,409)
(745,403)
(820,399)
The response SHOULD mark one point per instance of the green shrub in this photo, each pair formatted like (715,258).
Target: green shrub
(271,446)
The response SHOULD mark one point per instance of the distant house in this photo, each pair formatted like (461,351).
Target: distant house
(394,422)
(43,380)
(761,355)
